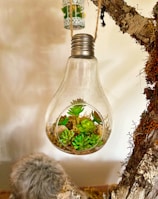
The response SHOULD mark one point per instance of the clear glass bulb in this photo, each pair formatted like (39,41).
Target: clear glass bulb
(78,119)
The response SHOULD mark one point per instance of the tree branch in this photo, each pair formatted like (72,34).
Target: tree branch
(131,22)
(140,177)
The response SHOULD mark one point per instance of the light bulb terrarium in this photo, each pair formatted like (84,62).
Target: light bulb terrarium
(78,119)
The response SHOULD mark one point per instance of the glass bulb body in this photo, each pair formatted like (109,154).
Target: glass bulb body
(78,120)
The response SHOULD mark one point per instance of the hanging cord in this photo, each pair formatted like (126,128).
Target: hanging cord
(71,24)
(97,22)
(98,13)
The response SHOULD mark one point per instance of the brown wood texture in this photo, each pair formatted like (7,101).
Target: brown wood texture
(92,192)
(140,177)
(4,194)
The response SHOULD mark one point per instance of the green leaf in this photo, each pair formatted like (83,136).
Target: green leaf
(63,120)
(76,11)
(96,117)
(82,141)
(76,110)
(88,125)
(65,11)
(66,137)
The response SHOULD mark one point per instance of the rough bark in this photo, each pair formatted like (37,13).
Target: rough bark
(131,22)
(140,177)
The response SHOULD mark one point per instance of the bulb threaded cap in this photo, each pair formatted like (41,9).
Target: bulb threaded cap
(82,45)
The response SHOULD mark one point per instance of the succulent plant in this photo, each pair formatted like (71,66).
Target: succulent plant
(76,110)
(63,120)
(79,131)
(86,126)
(66,137)
(82,141)
(96,117)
